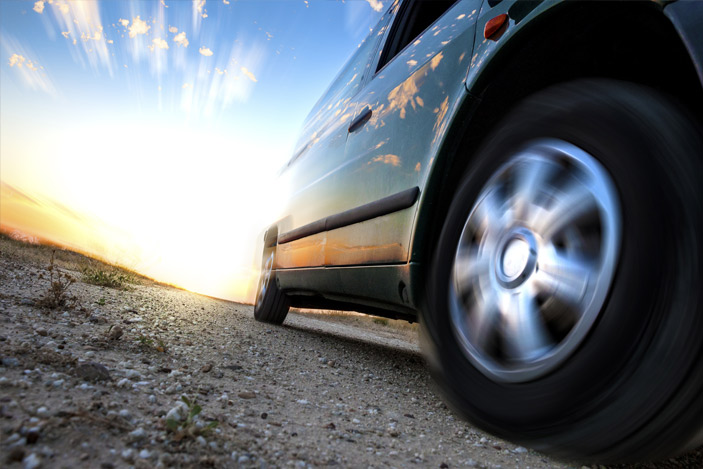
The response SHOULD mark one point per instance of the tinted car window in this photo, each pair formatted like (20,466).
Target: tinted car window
(414,17)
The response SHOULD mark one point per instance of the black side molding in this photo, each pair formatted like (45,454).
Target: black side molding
(378,208)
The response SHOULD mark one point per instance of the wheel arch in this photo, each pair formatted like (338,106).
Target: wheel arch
(636,42)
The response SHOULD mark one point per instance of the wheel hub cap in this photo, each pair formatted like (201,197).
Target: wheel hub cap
(534,262)
(517,258)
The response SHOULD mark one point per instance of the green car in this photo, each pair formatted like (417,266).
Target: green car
(523,178)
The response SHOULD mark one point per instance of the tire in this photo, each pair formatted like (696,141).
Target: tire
(566,315)
(272,304)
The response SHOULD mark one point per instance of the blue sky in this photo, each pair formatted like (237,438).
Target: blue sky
(165,121)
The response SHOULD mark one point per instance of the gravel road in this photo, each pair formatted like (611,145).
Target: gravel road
(100,384)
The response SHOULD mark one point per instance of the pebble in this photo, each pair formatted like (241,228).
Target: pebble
(125,414)
(43,411)
(93,371)
(201,441)
(115,333)
(246,395)
(206,368)
(31,462)
(133,374)
(32,435)
(16,454)
(41,331)
(10,362)
(520,449)
(128,455)
(174,414)
(145,454)
(124,383)
(138,434)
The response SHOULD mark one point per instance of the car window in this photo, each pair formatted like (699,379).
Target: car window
(414,17)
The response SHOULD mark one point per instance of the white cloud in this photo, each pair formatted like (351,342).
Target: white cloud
(27,69)
(82,20)
(376,5)
(205,51)
(181,39)
(172,29)
(199,6)
(159,43)
(124,22)
(39,6)
(225,2)
(248,74)
(139,26)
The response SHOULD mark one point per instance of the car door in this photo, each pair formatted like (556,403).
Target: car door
(310,174)
(399,121)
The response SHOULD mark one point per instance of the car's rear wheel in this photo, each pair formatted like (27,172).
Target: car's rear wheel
(272,304)
(564,308)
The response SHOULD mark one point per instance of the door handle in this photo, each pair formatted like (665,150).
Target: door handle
(361,119)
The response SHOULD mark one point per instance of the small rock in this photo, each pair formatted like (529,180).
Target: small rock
(125,414)
(93,371)
(128,455)
(330,426)
(144,454)
(43,411)
(133,374)
(26,302)
(41,331)
(206,368)
(10,362)
(264,415)
(97,319)
(31,462)
(201,441)
(16,454)
(137,435)
(174,414)
(32,435)
(302,402)
(115,333)
(247,395)
(124,383)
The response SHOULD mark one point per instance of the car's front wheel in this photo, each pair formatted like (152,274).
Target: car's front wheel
(564,301)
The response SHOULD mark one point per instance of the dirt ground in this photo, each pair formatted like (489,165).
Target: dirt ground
(153,376)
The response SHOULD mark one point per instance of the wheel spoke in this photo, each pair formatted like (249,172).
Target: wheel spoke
(565,277)
(488,213)
(529,179)
(484,321)
(469,267)
(567,207)
(525,335)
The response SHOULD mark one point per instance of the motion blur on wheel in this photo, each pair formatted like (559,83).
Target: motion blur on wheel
(563,308)
(524,179)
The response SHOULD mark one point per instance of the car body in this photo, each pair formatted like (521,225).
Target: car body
(382,155)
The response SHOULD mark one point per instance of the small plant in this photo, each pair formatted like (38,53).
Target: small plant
(101,301)
(381,321)
(104,278)
(188,427)
(59,282)
(145,341)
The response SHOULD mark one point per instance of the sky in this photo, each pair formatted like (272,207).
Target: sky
(150,133)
